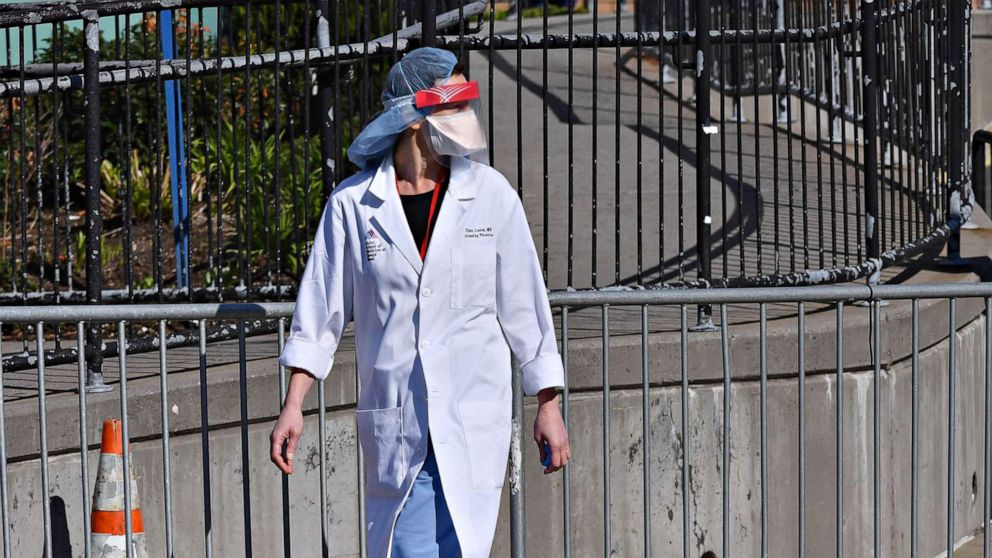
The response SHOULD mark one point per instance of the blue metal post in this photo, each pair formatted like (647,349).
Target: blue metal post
(177,157)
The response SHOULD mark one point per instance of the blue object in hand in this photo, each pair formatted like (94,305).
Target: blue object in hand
(546,460)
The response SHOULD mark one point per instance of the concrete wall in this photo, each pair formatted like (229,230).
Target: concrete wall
(627,451)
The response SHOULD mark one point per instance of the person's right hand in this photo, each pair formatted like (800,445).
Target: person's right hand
(288,430)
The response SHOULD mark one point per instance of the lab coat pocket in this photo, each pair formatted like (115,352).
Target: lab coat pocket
(380,432)
(473,274)
(486,425)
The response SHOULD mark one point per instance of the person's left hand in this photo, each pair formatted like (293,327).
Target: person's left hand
(549,426)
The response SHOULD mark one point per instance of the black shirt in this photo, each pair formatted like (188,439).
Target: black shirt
(417,207)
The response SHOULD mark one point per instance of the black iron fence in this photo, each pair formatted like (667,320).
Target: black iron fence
(181,150)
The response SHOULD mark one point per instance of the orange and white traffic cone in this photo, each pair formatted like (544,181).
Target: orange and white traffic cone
(109,534)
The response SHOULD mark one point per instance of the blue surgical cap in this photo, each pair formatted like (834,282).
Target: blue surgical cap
(421,68)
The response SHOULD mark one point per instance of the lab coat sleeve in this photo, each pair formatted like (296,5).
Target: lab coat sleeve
(522,305)
(323,301)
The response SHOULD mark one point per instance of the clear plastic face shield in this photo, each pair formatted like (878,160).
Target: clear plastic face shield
(454,125)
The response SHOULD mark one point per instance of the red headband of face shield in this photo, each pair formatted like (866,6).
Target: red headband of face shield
(448,94)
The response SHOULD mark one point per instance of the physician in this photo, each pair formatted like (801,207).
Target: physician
(428,249)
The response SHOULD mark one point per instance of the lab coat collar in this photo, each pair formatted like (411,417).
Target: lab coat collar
(461,183)
(389,215)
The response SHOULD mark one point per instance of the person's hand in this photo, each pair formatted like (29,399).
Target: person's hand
(549,426)
(288,430)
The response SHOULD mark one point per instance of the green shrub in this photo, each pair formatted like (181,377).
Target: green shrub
(261,210)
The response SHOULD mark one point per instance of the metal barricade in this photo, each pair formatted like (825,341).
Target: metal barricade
(802,425)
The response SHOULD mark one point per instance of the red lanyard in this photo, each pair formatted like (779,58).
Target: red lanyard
(430,215)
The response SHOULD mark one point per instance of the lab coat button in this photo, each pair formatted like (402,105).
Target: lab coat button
(425,291)
(424,344)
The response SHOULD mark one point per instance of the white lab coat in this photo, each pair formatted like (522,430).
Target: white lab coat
(429,337)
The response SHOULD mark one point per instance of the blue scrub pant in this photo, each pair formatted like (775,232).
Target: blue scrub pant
(423,528)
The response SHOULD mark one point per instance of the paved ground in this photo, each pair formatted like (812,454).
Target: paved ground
(972,548)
